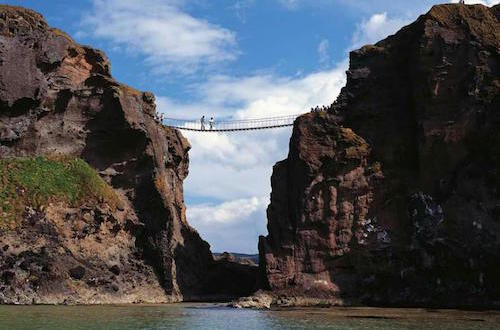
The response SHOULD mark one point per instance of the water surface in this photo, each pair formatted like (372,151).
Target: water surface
(210,316)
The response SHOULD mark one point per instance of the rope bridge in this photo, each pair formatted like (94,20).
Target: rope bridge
(231,125)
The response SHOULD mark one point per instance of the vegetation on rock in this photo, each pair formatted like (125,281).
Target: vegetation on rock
(36,182)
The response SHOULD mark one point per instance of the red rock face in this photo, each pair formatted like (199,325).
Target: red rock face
(392,196)
(320,194)
(57,97)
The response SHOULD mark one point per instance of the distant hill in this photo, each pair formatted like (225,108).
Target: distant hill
(238,257)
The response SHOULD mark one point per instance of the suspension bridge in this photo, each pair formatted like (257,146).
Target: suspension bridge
(230,125)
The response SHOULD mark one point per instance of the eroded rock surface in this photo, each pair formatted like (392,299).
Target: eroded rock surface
(391,197)
(57,97)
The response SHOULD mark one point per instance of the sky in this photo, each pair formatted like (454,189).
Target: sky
(232,58)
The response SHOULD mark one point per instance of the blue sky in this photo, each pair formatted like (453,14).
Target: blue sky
(237,58)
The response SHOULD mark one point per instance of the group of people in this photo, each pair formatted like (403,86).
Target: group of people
(211,123)
(323,108)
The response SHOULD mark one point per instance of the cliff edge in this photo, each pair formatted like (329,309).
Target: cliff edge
(60,106)
(391,197)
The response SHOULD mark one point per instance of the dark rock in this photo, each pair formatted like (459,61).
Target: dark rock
(226,256)
(148,97)
(10,261)
(92,282)
(7,135)
(8,277)
(228,280)
(116,229)
(115,269)
(426,216)
(24,265)
(77,273)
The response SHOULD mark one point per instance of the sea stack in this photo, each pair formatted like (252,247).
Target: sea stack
(391,197)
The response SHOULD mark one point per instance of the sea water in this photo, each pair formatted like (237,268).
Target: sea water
(211,316)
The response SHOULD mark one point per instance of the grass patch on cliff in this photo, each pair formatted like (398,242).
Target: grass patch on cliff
(36,182)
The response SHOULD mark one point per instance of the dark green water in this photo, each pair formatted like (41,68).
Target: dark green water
(206,316)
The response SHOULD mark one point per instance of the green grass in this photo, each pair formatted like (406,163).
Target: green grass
(36,182)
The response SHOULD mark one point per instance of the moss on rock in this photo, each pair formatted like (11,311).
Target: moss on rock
(36,182)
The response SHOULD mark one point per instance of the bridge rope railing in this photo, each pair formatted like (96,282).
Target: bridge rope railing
(231,125)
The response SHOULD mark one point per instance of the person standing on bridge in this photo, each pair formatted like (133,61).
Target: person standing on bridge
(202,121)
(211,123)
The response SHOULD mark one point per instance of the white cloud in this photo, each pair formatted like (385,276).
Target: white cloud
(228,212)
(223,167)
(259,95)
(324,56)
(170,39)
(381,25)
(240,7)
(376,28)
(238,166)
(209,179)
(231,226)
(290,4)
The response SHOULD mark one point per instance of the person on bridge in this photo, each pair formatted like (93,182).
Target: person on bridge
(202,121)
(211,123)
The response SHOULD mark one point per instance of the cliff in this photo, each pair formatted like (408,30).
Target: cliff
(391,197)
(59,102)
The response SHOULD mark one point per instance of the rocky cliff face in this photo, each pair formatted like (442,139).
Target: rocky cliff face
(392,196)
(57,97)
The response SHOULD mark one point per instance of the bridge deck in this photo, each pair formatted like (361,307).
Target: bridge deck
(231,125)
